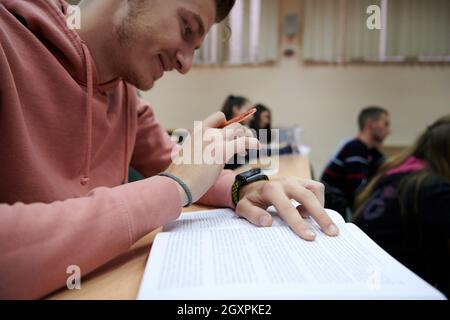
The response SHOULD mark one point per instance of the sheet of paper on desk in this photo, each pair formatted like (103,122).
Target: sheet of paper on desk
(217,255)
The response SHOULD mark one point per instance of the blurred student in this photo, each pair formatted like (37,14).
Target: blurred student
(236,105)
(406,207)
(357,161)
(262,120)
(233,107)
(261,123)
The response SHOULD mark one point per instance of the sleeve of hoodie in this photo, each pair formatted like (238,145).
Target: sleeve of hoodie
(38,241)
(152,154)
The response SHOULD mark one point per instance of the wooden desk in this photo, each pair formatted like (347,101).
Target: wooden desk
(120,278)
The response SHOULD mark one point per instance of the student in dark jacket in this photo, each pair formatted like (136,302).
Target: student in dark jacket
(357,161)
(406,207)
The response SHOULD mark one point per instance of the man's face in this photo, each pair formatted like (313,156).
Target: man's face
(380,128)
(155,36)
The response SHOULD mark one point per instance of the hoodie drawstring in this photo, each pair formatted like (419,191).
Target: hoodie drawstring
(127,124)
(90,93)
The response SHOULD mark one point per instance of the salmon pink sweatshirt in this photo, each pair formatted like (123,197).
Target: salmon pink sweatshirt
(66,142)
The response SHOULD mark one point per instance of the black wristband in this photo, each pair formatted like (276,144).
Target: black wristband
(182,184)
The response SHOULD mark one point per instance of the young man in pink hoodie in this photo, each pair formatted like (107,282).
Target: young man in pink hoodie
(71,124)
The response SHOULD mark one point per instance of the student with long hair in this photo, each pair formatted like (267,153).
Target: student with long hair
(236,105)
(262,120)
(406,207)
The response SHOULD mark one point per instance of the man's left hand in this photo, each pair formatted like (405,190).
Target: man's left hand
(256,197)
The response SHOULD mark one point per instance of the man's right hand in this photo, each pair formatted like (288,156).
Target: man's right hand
(212,148)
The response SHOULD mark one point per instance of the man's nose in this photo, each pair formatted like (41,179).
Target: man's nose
(184,61)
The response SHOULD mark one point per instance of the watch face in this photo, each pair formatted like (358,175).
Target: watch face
(257,178)
(244,176)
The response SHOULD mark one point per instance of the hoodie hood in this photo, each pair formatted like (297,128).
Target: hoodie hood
(46,19)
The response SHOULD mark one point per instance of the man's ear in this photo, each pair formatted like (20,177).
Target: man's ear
(370,123)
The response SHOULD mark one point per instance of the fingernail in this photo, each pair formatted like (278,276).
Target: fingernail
(310,234)
(333,230)
(264,221)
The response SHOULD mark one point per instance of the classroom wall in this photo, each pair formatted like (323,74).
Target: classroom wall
(325,100)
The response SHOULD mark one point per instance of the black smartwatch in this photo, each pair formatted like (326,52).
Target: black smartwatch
(244,179)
